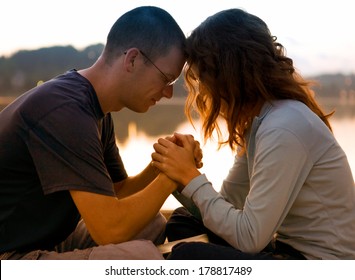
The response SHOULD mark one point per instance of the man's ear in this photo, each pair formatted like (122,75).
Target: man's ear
(130,57)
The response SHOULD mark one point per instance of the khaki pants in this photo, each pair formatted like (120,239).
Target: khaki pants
(80,246)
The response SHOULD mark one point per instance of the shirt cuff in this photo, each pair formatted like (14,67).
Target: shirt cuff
(194,185)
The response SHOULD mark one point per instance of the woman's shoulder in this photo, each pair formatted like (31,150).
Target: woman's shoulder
(293,118)
(291,113)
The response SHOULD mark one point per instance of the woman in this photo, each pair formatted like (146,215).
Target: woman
(290,193)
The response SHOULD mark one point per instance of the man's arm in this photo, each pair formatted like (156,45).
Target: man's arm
(136,183)
(115,220)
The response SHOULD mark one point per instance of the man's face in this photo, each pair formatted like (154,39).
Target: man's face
(156,79)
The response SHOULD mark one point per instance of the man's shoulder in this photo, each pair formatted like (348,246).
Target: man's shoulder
(58,94)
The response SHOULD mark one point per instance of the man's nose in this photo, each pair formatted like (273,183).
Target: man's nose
(168,91)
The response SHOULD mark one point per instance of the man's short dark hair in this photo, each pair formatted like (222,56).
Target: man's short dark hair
(150,29)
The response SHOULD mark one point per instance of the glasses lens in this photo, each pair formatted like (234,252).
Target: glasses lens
(169,82)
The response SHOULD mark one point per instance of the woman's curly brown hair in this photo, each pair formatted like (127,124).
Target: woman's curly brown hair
(234,65)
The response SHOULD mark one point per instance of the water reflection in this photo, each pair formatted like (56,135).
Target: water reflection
(344,131)
(137,150)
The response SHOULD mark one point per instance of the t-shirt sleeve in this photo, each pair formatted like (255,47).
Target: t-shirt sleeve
(113,160)
(68,153)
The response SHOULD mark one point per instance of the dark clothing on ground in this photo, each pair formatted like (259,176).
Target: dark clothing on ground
(183,225)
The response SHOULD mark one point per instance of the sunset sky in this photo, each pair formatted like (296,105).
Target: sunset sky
(318,35)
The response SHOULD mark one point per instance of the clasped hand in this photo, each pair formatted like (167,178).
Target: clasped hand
(179,157)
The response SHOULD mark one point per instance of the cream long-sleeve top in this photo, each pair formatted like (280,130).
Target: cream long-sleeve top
(294,180)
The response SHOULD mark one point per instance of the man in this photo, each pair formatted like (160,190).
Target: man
(59,161)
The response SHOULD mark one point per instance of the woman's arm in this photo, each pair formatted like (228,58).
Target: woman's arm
(277,176)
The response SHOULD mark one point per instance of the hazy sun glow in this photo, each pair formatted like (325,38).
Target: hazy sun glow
(136,153)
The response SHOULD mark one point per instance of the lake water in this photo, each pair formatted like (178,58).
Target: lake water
(136,152)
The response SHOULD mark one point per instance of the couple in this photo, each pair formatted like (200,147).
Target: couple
(64,191)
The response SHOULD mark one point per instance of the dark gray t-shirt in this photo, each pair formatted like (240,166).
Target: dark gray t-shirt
(54,138)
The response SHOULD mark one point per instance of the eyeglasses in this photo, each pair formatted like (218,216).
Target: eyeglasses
(169,82)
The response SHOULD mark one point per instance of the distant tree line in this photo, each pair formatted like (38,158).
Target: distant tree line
(25,69)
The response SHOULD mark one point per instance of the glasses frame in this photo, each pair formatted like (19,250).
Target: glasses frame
(169,82)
